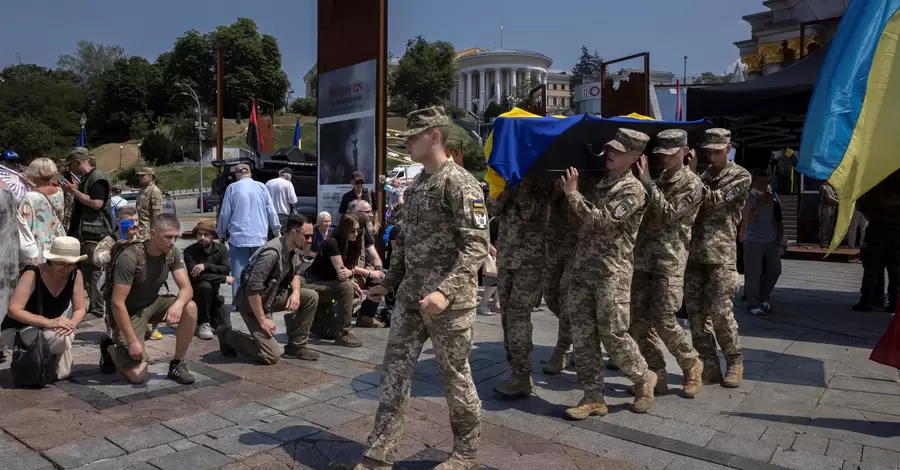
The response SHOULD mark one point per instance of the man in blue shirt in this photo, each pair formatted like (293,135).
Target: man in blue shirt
(246,208)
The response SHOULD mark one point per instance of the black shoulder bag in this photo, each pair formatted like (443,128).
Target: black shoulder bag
(32,363)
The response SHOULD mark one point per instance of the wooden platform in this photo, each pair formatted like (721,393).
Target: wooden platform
(814,253)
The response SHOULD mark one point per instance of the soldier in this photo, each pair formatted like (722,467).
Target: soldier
(149,200)
(520,260)
(560,236)
(434,270)
(711,278)
(660,257)
(600,275)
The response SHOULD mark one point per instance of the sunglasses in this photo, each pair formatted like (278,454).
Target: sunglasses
(308,237)
(359,182)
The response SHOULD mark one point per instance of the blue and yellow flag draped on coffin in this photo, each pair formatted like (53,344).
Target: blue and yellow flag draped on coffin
(850,137)
(522,142)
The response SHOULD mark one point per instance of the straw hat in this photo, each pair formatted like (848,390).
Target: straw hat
(66,250)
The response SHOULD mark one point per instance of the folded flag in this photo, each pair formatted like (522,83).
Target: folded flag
(850,137)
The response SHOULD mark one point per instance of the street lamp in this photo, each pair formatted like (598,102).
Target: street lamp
(121,148)
(193,94)
(139,150)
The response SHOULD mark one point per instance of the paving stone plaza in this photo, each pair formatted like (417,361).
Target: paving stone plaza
(811,399)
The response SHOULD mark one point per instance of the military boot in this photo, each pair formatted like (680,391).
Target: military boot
(712,373)
(516,386)
(734,375)
(557,362)
(458,462)
(587,407)
(661,388)
(693,379)
(643,393)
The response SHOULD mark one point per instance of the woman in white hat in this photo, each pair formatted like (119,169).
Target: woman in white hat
(42,296)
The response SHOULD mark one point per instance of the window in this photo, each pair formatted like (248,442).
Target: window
(562,87)
(554,86)
(562,101)
(553,101)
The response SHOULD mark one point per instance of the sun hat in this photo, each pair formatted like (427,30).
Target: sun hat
(66,250)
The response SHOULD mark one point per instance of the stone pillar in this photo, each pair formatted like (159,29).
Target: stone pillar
(543,78)
(468,96)
(512,79)
(482,90)
(498,74)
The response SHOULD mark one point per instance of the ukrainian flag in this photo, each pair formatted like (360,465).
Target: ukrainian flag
(850,136)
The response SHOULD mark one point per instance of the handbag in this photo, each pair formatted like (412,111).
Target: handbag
(489,268)
(28,246)
(32,363)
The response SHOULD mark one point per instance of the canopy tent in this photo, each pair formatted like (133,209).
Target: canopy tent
(767,112)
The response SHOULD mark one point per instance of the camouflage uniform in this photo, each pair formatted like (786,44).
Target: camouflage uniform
(149,203)
(599,277)
(520,262)
(561,234)
(660,258)
(443,243)
(711,279)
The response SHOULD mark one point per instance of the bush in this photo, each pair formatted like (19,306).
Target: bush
(237,117)
(456,112)
(473,156)
(493,110)
(305,106)
(128,177)
(158,149)
(401,106)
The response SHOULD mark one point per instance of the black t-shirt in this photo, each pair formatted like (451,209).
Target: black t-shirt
(368,239)
(366,195)
(98,192)
(42,301)
(322,268)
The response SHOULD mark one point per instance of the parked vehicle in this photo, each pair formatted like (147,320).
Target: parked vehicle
(130,196)
(404,173)
(207,202)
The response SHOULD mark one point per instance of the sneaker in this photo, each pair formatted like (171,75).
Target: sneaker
(756,311)
(766,307)
(304,354)
(368,322)
(154,335)
(348,340)
(178,372)
(204,331)
(224,347)
(107,366)
(483,311)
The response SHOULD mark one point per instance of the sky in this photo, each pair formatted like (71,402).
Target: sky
(39,31)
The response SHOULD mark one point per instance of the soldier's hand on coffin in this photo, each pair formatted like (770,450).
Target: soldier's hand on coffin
(433,303)
(569,181)
(643,170)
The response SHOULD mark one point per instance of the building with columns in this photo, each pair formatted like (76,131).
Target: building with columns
(775,33)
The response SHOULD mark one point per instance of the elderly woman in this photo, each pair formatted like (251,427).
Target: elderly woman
(42,208)
(42,297)
(323,231)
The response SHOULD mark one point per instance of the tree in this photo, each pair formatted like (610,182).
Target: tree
(709,78)
(90,60)
(473,156)
(127,90)
(589,65)
(425,73)
(304,106)
(158,149)
(518,96)
(191,62)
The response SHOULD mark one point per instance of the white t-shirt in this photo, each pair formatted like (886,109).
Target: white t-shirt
(283,195)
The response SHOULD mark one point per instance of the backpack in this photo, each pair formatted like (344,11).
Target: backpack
(387,236)
(271,284)
(139,265)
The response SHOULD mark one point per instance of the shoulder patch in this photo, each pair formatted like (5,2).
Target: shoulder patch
(734,191)
(623,209)
(479,214)
(685,202)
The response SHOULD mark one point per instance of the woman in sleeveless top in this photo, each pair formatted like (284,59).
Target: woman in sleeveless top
(43,207)
(41,298)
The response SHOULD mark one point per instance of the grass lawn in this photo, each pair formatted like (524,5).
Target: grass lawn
(170,177)
(284,137)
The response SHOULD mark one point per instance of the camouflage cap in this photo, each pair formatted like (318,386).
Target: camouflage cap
(77,154)
(146,170)
(670,141)
(716,138)
(421,120)
(629,140)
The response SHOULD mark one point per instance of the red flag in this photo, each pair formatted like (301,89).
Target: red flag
(254,139)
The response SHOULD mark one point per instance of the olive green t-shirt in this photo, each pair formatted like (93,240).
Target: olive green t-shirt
(145,291)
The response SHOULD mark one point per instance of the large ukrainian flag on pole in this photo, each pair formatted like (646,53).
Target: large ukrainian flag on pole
(850,137)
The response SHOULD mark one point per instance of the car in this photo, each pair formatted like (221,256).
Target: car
(208,201)
(168,205)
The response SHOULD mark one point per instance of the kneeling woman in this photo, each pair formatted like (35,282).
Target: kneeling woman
(41,298)
(331,275)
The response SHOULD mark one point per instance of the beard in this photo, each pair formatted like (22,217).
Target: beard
(370,226)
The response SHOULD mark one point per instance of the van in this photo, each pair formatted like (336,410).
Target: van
(404,173)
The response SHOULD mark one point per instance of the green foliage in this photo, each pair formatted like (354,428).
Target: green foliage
(158,149)
(426,72)
(473,156)
(455,112)
(183,133)
(127,176)
(588,65)
(39,110)
(90,60)
(237,117)
(305,106)
(401,106)
(125,107)
(518,96)
(493,110)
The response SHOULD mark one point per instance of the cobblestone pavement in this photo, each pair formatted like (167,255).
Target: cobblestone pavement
(810,399)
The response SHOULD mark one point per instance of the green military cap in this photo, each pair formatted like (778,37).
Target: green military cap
(670,141)
(629,140)
(145,171)
(716,139)
(77,154)
(421,120)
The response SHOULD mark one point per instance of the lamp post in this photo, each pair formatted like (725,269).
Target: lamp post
(193,94)
(121,148)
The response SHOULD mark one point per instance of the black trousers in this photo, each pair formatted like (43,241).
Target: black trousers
(210,305)
(880,252)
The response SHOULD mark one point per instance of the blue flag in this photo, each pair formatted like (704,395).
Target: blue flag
(81,138)
(297,140)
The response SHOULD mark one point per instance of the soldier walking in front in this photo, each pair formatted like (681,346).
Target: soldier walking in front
(711,279)
(660,259)
(520,262)
(434,268)
(149,200)
(561,234)
(599,277)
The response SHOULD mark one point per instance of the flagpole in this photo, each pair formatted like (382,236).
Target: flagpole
(501,35)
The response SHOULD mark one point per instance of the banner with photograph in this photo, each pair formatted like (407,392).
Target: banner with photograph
(346,132)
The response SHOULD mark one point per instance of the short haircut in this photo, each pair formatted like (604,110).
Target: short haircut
(41,169)
(358,175)
(445,133)
(127,211)
(166,221)
(295,222)
(115,189)
(322,216)
(356,205)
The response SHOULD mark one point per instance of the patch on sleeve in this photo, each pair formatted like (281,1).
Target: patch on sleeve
(685,202)
(734,191)
(624,208)
(479,214)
